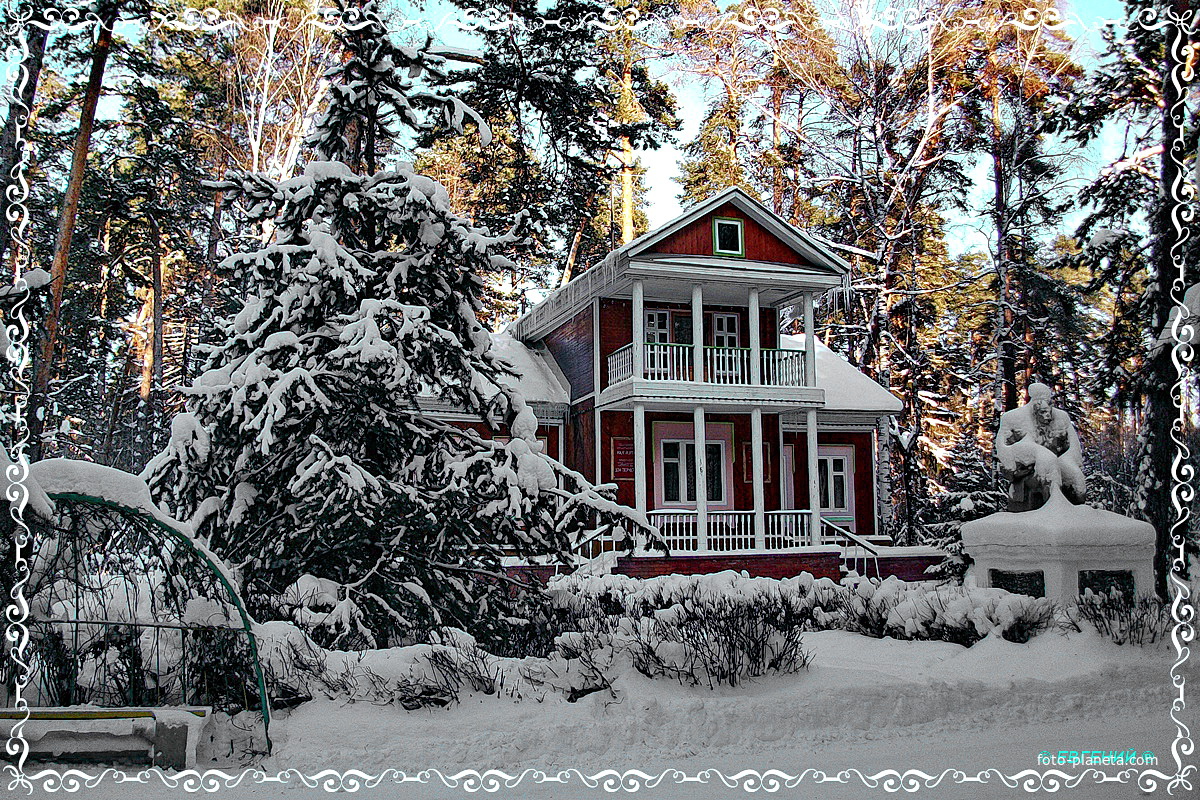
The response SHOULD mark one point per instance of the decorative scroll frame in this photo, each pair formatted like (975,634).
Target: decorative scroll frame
(1182,199)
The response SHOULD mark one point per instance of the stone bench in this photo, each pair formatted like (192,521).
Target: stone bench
(164,737)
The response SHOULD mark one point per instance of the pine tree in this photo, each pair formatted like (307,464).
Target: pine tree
(970,491)
(304,449)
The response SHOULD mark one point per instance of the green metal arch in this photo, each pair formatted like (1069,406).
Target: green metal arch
(180,536)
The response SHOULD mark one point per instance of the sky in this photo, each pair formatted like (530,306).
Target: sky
(662,167)
(1085,18)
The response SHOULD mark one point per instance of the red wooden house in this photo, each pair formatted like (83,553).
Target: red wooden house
(670,348)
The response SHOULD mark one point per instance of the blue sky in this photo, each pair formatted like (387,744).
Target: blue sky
(1085,19)
(662,166)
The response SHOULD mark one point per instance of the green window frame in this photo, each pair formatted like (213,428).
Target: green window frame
(741,236)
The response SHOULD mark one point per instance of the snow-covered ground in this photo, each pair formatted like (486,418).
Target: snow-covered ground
(864,704)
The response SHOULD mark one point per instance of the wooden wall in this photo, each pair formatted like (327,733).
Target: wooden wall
(697,239)
(864,472)
(571,346)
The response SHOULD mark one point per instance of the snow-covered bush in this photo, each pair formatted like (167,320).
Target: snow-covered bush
(1141,621)
(966,615)
(417,676)
(875,608)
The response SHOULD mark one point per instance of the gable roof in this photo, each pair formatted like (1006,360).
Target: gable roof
(811,247)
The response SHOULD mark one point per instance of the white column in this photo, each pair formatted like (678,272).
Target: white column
(639,329)
(697,332)
(755,340)
(639,457)
(810,343)
(699,431)
(814,484)
(756,447)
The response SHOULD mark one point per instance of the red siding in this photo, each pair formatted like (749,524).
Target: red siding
(620,424)
(864,473)
(580,449)
(773,565)
(696,239)
(571,346)
(616,331)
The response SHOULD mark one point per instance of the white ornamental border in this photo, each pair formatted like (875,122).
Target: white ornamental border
(1182,196)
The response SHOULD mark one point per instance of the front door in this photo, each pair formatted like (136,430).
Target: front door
(835,479)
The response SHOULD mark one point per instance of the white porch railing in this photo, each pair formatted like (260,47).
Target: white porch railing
(620,364)
(668,362)
(727,365)
(731,531)
(722,365)
(783,367)
(786,529)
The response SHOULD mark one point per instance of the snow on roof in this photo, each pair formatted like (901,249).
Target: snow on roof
(846,389)
(535,380)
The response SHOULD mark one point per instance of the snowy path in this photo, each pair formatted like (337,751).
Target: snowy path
(865,704)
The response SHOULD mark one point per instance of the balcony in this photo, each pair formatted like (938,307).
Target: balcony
(730,366)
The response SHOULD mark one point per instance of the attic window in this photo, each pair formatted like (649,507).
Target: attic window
(727,237)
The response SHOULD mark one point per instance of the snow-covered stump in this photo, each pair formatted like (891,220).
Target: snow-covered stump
(1059,550)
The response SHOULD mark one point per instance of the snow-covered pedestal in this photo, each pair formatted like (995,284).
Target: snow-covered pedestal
(1060,540)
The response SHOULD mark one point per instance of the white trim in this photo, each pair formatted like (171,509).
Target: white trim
(797,240)
(639,457)
(595,395)
(754,315)
(759,466)
(828,452)
(715,433)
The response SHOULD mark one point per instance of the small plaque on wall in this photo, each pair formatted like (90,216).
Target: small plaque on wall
(1028,583)
(622,458)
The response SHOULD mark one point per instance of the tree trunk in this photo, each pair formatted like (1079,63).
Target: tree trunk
(627,157)
(38,407)
(16,127)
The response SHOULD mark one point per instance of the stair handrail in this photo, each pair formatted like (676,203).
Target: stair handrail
(858,541)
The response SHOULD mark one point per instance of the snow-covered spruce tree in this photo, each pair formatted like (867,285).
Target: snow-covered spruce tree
(970,491)
(304,451)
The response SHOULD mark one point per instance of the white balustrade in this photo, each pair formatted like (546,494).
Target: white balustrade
(727,365)
(620,364)
(786,529)
(677,529)
(783,367)
(668,362)
(722,365)
(730,531)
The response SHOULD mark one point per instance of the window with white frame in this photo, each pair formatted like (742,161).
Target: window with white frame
(727,237)
(678,458)
(835,482)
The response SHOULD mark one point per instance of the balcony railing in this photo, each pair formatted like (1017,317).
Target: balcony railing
(722,365)
(731,531)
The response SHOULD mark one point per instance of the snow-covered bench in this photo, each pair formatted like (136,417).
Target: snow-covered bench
(165,737)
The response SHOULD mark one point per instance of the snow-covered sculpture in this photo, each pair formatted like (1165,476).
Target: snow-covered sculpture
(1038,448)
(1050,543)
